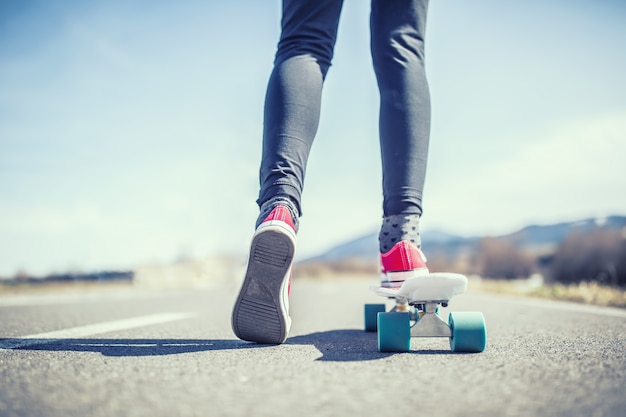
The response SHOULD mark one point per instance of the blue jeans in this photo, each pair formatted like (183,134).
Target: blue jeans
(294,92)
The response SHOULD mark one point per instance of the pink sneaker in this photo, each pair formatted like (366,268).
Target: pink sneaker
(403,261)
(261,312)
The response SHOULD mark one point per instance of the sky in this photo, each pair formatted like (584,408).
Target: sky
(130,131)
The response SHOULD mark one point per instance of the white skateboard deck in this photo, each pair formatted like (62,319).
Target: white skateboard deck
(438,286)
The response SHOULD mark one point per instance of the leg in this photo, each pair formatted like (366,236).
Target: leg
(292,107)
(397,30)
(293,99)
(397,44)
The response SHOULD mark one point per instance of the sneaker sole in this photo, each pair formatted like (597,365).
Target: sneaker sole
(259,315)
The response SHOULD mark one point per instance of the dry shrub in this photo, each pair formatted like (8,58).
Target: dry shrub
(459,263)
(352,266)
(584,292)
(598,255)
(497,258)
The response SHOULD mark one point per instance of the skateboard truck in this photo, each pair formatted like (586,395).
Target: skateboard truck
(429,323)
(416,314)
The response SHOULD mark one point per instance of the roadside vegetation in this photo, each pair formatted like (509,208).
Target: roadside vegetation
(583,292)
(586,268)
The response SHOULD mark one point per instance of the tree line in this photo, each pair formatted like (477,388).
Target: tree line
(594,256)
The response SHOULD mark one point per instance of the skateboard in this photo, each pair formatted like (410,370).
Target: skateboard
(416,314)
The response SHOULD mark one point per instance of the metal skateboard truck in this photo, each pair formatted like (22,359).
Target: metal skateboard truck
(416,314)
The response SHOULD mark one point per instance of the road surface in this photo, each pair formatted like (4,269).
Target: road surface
(134,352)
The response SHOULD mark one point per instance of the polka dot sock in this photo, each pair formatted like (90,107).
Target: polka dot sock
(397,228)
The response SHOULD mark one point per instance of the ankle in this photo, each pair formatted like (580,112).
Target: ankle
(268,207)
(398,228)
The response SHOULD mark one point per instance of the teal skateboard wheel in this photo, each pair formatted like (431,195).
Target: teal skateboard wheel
(371,316)
(469,332)
(394,332)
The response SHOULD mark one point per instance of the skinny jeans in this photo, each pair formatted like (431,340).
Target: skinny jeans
(294,93)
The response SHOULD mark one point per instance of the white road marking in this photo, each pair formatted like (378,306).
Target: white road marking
(92,329)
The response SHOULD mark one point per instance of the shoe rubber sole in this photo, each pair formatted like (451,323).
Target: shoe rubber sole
(259,314)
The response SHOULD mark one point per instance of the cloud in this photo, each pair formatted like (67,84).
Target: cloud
(571,159)
(572,169)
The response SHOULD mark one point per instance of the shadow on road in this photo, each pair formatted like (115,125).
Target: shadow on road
(342,345)
(349,346)
(335,346)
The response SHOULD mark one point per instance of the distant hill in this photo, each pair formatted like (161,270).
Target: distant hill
(551,235)
(536,238)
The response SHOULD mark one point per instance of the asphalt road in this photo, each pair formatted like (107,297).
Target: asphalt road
(141,353)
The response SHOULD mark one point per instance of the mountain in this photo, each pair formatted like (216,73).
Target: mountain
(365,248)
(536,238)
(552,235)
